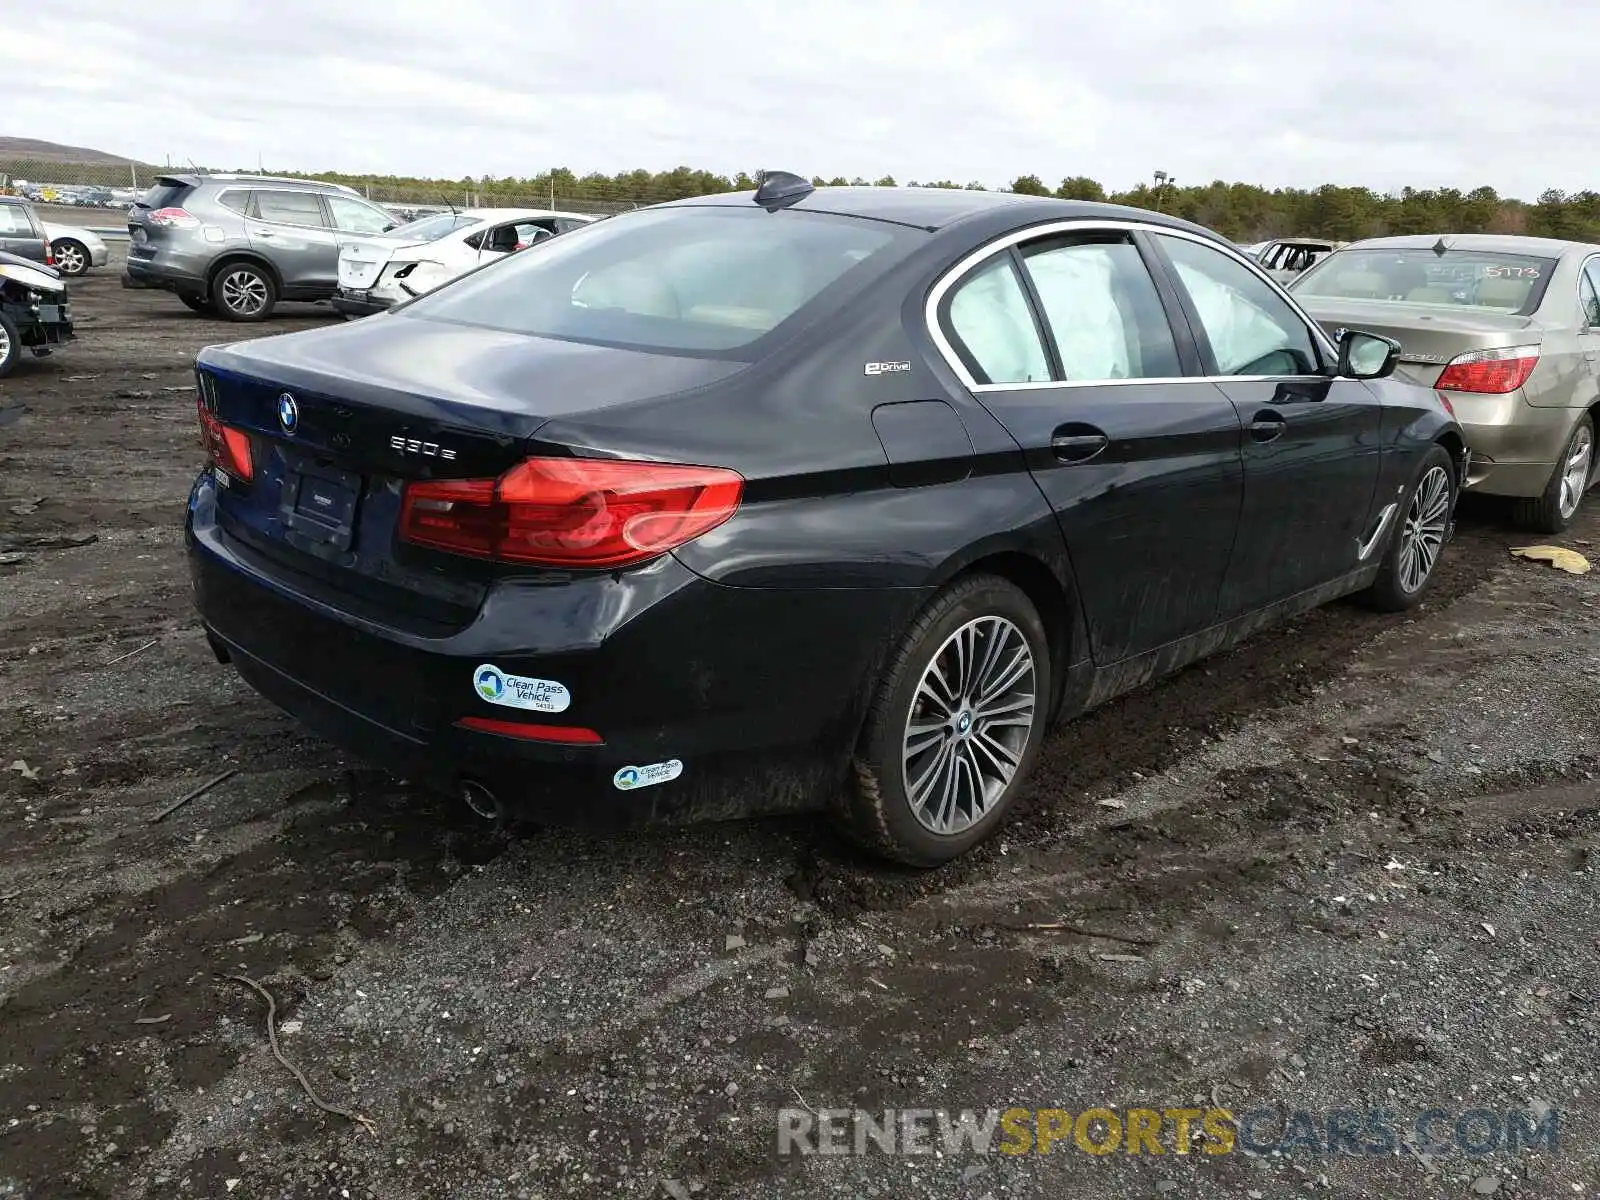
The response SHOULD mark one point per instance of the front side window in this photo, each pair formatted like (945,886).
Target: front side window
(1251,328)
(992,326)
(696,280)
(1103,310)
(287,208)
(353,216)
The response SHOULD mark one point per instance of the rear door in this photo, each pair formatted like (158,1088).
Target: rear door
(1070,342)
(1312,441)
(292,229)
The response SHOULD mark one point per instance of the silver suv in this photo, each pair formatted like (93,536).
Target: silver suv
(235,245)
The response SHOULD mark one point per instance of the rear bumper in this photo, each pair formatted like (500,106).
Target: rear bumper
(168,277)
(1515,445)
(758,693)
(359,304)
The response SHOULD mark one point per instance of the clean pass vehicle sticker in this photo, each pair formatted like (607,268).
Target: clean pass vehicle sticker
(629,778)
(520,691)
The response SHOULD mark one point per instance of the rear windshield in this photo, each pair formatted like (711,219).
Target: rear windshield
(1510,283)
(693,280)
(431,229)
(167,193)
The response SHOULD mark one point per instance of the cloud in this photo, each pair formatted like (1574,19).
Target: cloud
(1278,92)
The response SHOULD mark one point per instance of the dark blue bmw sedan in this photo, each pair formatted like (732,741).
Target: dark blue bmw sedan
(827,498)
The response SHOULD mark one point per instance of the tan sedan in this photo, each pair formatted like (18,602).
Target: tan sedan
(1507,329)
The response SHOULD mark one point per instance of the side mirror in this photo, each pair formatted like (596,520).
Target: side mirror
(1366,355)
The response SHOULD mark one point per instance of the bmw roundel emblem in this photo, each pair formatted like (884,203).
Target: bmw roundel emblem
(288,413)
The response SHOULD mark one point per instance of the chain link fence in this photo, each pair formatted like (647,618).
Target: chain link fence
(114,186)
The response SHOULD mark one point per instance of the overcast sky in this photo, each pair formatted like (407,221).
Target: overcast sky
(1277,92)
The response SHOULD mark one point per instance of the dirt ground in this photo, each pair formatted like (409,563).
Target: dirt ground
(1349,864)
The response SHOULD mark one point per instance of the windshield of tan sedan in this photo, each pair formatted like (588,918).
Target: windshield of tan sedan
(1508,283)
(708,280)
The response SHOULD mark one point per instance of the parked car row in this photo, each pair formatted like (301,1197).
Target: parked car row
(831,497)
(235,245)
(80,196)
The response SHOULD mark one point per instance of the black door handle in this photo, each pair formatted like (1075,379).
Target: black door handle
(1267,425)
(1078,443)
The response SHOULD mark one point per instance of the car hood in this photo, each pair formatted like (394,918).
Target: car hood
(30,274)
(424,366)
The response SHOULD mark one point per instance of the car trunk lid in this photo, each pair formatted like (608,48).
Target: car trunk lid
(1429,336)
(340,419)
(362,263)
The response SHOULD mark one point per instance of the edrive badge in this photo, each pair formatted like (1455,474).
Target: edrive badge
(288,413)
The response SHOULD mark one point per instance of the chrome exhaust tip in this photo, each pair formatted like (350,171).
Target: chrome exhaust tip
(481,800)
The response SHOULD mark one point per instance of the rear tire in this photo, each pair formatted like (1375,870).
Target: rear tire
(199,304)
(1553,511)
(243,291)
(1416,545)
(10,345)
(71,256)
(954,727)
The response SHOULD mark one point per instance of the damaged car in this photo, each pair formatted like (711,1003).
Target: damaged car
(378,272)
(34,312)
(803,498)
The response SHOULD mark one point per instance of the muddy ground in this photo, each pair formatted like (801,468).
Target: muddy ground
(1351,863)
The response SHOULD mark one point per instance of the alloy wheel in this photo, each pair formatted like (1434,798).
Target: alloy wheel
(1423,534)
(244,293)
(1575,474)
(69,258)
(969,724)
(5,346)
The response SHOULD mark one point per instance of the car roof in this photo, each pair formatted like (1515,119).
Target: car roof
(200,178)
(1503,243)
(936,208)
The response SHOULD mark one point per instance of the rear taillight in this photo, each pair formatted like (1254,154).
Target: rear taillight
(1493,372)
(225,446)
(176,218)
(571,512)
(49,254)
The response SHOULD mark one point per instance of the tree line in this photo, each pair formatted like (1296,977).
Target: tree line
(1244,212)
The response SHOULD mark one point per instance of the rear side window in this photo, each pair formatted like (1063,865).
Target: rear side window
(696,280)
(238,201)
(993,329)
(1103,311)
(287,208)
(353,216)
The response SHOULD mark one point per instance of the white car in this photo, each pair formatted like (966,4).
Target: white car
(75,250)
(385,269)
